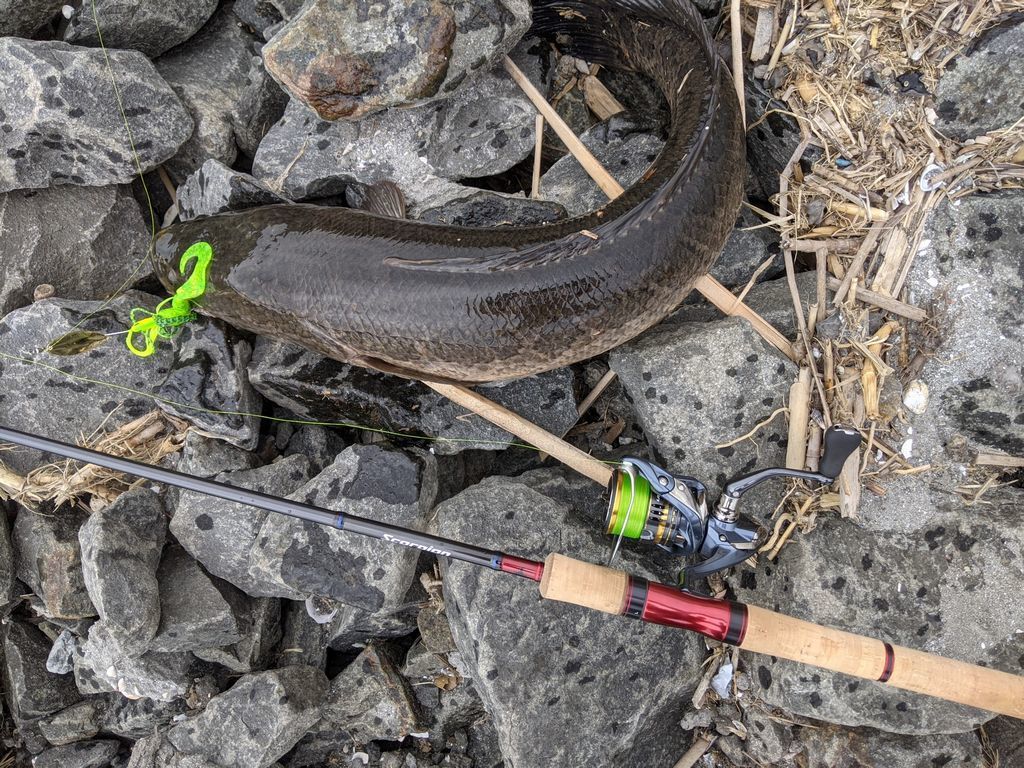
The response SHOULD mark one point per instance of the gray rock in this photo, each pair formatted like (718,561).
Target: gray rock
(215,188)
(20,18)
(64,124)
(447,702)
(296,559)
(134,719)
(614,143)
(60,660)
(259,622)
(315,387)
(329,54)
(220,534)
(303,157)
(255,722)
(490,209)
(196,610)
(745,250)
(969,269)
(948,591)
(76,723)
(370,700)
(84,754)
(983,90)
(771,141)
(838,748)
(48,558)
(151,28)
(209,371)
(121,546)
(698,385)
(319,444)
(304,638)
(57,401)
(205,457)
(260,15)
(31,691)
(356,626)
(101,667)
(612,694)
(1006,737)
(65,237)
(8,569)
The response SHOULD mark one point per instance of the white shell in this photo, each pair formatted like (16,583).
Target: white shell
(915,396)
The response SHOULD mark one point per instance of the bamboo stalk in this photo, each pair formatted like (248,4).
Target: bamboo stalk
(889,304)
(799,416)
(537,147)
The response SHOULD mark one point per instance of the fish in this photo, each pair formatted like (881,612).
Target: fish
(472,305)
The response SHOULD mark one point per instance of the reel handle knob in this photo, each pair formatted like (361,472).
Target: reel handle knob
(839,443)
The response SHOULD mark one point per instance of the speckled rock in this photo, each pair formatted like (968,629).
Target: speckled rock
(303,157)
(48,558)
(370,700)
(698,385)
(215,188)
(8,569)
(259,623)
(1006,736)
(773,137)
(209,371)
(84,754)
(947,590)
(29,690)
(318,388)
(838,748)
(121,546)
(151,27)
(134,719)
(347,64)
(625,153)
(206,457)
(609,672)
(75,723)
(20,18)
(983,90)
(241,106)
(66,238)
(196,610)
(220,534)
(745,250)
(256,721)
(64,124)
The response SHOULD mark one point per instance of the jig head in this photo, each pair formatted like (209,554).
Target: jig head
(647,503)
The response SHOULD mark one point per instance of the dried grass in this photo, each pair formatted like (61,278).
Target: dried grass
(148,439)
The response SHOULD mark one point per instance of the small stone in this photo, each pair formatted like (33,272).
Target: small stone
(329,54)
(30,690)
(205,456)
(151,28)
(121,547)
(134,719)
(256,721)
(195,609)
(259,622)
(915,396)
(981,90)
(83,754)
(225,54)
(215,188)
(314,387)
(20,18)
(65,125)
(48,558)
(209,368)
(60,660)
(614,143)
(370,699)
(102,667)
(75,723)
(58,241)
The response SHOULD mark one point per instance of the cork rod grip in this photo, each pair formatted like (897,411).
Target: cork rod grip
(774,634)
(592,586)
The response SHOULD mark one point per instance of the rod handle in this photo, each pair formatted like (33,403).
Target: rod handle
(592,586)
(774,634)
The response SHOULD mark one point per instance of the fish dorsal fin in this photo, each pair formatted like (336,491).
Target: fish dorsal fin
(384,198)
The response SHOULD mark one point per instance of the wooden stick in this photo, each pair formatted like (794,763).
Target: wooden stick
(853,271)
(889,304)
(502,417)
(604,180)
(989,459)
(696,751)
(599,99)
(537,147)
(736,33)
(799,416)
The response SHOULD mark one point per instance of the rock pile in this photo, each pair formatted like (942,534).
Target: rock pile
(164,629)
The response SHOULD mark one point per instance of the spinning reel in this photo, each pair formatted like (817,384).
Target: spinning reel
(649,504)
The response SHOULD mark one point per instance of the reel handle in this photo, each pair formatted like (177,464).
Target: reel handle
(839,443)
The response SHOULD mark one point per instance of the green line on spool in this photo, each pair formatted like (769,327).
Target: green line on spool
(638,490)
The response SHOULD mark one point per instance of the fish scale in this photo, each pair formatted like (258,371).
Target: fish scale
(462,304)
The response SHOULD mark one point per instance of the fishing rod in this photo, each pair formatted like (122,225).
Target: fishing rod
(600,588)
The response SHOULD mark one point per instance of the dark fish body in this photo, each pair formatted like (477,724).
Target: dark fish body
(483,304)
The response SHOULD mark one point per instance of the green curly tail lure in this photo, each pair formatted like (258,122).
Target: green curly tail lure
(171,314)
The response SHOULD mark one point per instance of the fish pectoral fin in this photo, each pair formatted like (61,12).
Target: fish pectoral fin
(376,364)
(384,198)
